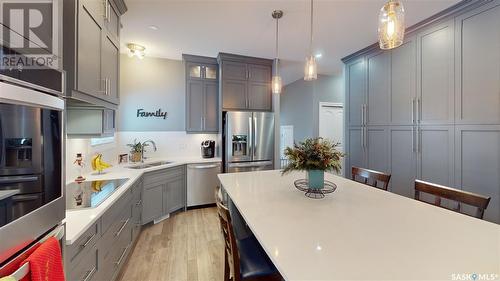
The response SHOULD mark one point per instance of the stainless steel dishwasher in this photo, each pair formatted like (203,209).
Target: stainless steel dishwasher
(201,182)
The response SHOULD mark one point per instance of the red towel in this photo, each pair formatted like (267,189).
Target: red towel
(46,262)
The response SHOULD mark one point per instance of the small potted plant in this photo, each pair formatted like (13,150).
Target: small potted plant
(315,156)
(135,151)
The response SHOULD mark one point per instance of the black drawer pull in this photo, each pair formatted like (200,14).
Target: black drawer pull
(138,203)
(121,228)
(89,274)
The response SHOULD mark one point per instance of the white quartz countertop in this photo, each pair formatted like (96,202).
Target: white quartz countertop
(78,221)
(8,193)
(360,232)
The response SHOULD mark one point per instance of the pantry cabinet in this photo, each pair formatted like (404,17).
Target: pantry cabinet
(91,31)
(430,109)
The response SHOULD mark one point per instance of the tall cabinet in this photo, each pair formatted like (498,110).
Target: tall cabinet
(202,94)
(430,109)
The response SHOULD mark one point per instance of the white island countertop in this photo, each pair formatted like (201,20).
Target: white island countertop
(77,221)
(360,232)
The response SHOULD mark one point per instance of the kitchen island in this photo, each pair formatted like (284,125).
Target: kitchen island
(359,232)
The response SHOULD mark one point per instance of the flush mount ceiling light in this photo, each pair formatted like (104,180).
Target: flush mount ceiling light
(311,68)
(136,50)
(153,27)
(391,25)
(277,84)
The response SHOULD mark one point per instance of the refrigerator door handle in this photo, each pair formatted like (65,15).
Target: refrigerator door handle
(250,147)
(254,141)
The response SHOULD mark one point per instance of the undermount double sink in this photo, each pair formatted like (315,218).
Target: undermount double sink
(149,165)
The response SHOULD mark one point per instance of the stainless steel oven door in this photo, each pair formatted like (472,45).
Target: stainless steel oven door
(38,203)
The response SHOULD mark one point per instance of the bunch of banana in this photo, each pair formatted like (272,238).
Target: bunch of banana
(97,186)
(98,164)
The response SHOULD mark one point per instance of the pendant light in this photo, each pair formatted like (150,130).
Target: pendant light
(391,25)
(311,68)
(277,84)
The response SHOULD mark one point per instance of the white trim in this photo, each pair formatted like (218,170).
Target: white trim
(24,96)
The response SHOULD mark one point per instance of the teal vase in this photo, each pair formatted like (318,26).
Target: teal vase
(316,179)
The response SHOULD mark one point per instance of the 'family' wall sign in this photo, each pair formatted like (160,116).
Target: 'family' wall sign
(159,113)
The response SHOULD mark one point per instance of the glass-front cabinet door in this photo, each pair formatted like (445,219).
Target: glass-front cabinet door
(195,71)
(210,72)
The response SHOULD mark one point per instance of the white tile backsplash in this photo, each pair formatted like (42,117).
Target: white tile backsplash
(171,144)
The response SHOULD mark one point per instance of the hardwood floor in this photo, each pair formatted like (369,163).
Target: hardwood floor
(186,246)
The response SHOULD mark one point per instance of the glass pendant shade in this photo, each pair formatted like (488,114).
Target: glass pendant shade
(311,69)
(277,85)
(391,25)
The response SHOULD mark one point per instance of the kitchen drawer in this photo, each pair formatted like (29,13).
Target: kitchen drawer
(117,230)
(87,267)
(116,255)
(152,178)
(83,244)
(115,213)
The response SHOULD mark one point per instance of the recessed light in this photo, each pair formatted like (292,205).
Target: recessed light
(153,27)
(318,55)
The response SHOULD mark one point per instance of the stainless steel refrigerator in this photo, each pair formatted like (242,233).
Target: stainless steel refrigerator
(248,141)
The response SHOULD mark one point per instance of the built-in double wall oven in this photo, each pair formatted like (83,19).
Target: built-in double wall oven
(31,155)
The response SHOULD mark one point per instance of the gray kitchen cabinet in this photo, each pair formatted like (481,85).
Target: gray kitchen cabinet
(246,82)
(258,95)
(402,92)
(152,207)
(356,89)
(435,74)
(355,149)
(90,122)
(477,66)
(164,193)
(100,252)
(435,145)
(91,58)
(202,98)
(194,104)
(174,195)
(110,69)
(444,123)
(402,160)
(377,148)
(89,52)
(211,108)
(235,94)
(478,164)
(378,90)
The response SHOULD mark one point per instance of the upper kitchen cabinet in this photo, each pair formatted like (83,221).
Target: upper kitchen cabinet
(245,82)
(91,50)
(378,90)
(356,91)
(202,98)
(435,74)
(477,65)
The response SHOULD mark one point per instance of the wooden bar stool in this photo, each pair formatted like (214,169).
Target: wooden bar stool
(460,196)
(370,177)
(243,259)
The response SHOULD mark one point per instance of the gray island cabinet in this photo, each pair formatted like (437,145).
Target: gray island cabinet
(430,109)
(245,82)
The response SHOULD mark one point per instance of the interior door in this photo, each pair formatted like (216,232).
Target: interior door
(238,136)
(263,136)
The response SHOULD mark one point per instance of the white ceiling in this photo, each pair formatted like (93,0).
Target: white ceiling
(207,27)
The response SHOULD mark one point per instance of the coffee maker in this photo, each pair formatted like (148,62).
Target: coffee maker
(208,149)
